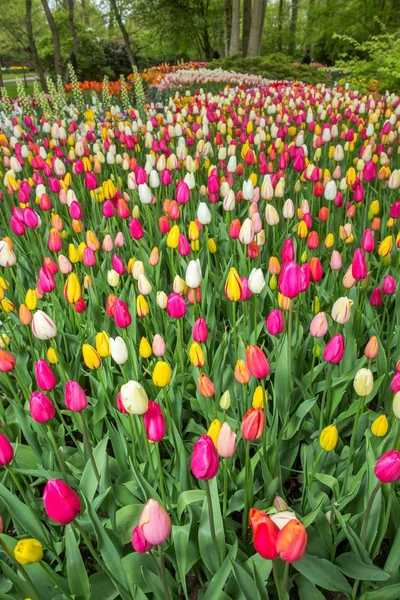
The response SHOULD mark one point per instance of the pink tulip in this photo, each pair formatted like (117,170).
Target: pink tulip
(64,264)
(136,229)
(108,209)
(183,245)
(120,404)
(274,322)
(368,242)
(61,503)
(6,451)
(287,253)
(74,396)
(389,285)
(204,462)
(91,181)
(336,261)
(226,441)
(319,325)
(119,240)
(359,266)
(387,467)
(257,362)
(182,193)
(200,330)
(45,377)
(176,306)
(395,383)
(158,346)
(166,177)
(154,525)
(334,349)
(122,316)
(376,297)
(89,257)
(118,264)
(154,422)
(41,407)
(246,291)
(46,280)
(290,279)
(139,542)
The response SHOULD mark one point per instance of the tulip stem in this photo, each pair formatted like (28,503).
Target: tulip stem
(25,575)
(160,474)
(255,317)
(150,460)
(57,453)
(290,335)
(327,386)
(86,441)
(360,408)
(285,580)
(368,512)
(133,440)
(180,346)
(246,495)
(211,517)
(225,496)
(234,329)
(312,477)
(163,572)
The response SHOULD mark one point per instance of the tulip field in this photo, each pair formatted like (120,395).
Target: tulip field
(200,344)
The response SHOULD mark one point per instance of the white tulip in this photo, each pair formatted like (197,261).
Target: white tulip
(193,274)
(256,281)
(203,214)
(134,398)
(43,328)
(118,350)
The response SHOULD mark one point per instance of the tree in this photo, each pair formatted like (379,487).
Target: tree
(246,25)
(257,25)
(293,26)
(55,37)
(280,25)
(235,32)
(72,28)
(32,44)
(228,25)
(124,32)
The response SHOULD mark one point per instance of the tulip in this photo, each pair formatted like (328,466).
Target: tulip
(290,280)
(153,529)
(134,398)
(334,349)
(257,362)
(387,467)
(200,331)
(196,355)
(274,322)
(28,551)
(72,289)
(43,328)
(176,306)
(154,422)
(214,430)
(52,356)
(376,297)
(61,503)
(225,400)
(329,438)
(204,462)
(372,348)
(359,266)
(389,285)
(122,316)
(203,214)
(45,377)
(91,357)
(233,285)
(265,534)
(118,350)
(162,374)
(205,386)
(41,407)
(363,382)
(193,274)
(395,383)
(158,346)
(253,424)
(103,344)
(260,397)
(6,451)
(7,362)
(74,396)
(291,541)
(341,310)
(380,426)
(226,441)
(319,325)
(144,348)
(256,281)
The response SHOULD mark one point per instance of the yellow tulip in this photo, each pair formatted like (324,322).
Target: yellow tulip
(385,246)
(52,356)
(213,430)
(91,357)
(329,438)
(7,305)
(73,254)
(212,246)
(31,300)
(374,207)
(28,551)
(173,237)
(161,374)
(144,348)
(142,307)
(193,231)
(103,344)
(260,397)
(196,355)
(72,289)
(233,285)
(380,426)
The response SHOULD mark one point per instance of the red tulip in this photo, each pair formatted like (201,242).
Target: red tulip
(257,362)
(253,424)
(292,541)
(265,534)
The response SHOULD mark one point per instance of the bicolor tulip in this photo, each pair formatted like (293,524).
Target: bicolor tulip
(153,529)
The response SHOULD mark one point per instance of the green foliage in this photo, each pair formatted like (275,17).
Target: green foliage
(381,62)
(274,66)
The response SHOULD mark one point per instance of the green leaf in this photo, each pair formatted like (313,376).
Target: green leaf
(210,553)
(180,539)
(281,381)
(310,518)
(354,567)
(88,484)
(246,583)
(127,517)
(392,563)
(390,592)
(307,590)
(78,580)
(21,513)
(323,573)
(217,583)
(187,498)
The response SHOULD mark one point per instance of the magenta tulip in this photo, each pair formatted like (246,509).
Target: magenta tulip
(6,451)
(74,396)
(45,377)
(334,349)
(204,462)
(387,467)
(176,306)
(41,407)
(290,279)
(274,322)
(359,266)
(154,422)
(389,285)
(122,316)
(200,330)
(61,503)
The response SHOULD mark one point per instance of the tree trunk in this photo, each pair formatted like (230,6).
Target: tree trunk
(124,32)
(257,24)
(280,25)
(310,19)
(72,28)
(56,39)
(235,32)
(228,25)
(292,29)
(1,73)
(85,13)
(32,45)
(246,24)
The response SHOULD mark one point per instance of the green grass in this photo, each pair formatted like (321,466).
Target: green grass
(12,89)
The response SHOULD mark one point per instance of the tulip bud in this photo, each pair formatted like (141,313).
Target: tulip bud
(134,398)
(380,426)
(213,431)
(387,467)
(225,400)
(204,462)
(341,310)
(363,382)
(41,407)
(6,451)
(162,374)
(260,397)
(372,348)
(329,438)
(74,396)
(43,328)
(154,422)
(61,503)
(226,441)
(253,424)
(28,551)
